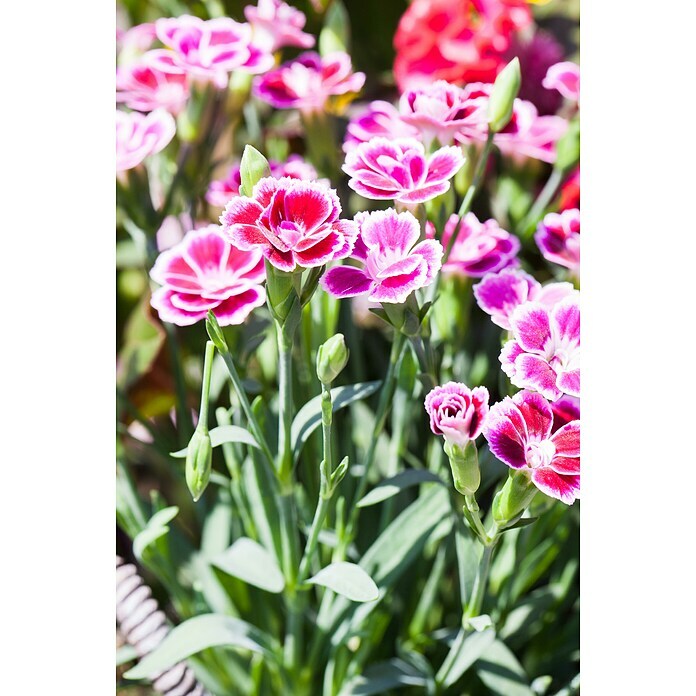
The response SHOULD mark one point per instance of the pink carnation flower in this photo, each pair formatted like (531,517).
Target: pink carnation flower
(380,118)
(564,77)
(499,294)
(294,223)
(481,247)
(307,82)
(392,266)
(545,352)
(277,24)
(139,135)
(208,50)
(133,42)
(565,410)
(382,169)
(220,191)
(457,412)
(144,88)
(518,431)
(558,238)
(205,272)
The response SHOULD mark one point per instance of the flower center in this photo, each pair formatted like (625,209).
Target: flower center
(540,454)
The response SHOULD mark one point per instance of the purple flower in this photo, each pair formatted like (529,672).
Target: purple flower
(205,272)
(380,118)
(457,412)
(519,433)
(499,294)
(564,77)
(139,135)
(558,238)
(307,82)
(392,266)
(545,352)
(398,169)
(277,24)
(481,247)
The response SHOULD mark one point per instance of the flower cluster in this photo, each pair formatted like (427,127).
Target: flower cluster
(558,238)
(139,135)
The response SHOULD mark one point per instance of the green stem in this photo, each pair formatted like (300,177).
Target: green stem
(480,583)
(288,531)
(205,388)
(473,508)
(285,407)
(183,416)
(547,194)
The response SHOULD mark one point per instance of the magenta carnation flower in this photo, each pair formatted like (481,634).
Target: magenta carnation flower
(564,77)
(207,50)
(384,169)
(220,191)
(565,410)
(481,247)
(558,238)
(392,266)
(380,118)
(144,88)
(139,135)
(205,272)
(518,431)
(545,352)
(457,412)
(277,24)
(307,82)
(499,294)
(294,223)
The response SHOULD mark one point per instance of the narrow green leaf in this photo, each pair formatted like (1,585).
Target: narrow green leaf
(156,528)
(391,486)
(308,418)
(126,653)
(252,563)
(380,678)
(501,672)
(347,579)
(199,633)
(223,434)
(335,35)
(474,646)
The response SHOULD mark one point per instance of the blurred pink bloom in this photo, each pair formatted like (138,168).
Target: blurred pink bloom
(565,410)
(545,352)
(139,135)
(564,77)
(380,118)
(440,111)
(499,294)
(558,238)
(133,42)
(220,191)
(518,431)
(481,247)
(392,266)
(205,272)
(398,169)
(457,412)
(144,88)
(208,50)
(294,223)
(307,82)
(277,24)
(570,191)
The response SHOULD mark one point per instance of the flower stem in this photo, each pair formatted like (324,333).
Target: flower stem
(480,583)
(183,416)
(541,203)
(285,407)
(205,388)
(473,508)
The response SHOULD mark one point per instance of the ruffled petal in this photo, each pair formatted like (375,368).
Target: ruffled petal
(533,372)
(506,433)
(530,324)
(567,439)
(345,281)
(537,414)
(563,488)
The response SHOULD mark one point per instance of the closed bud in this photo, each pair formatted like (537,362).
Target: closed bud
(254,166)
(568,147)
(332,357)
(465,466)
(215,332)
(514,497)
(502,100)
(199,462)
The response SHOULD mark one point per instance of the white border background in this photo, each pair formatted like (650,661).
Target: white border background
(57,347)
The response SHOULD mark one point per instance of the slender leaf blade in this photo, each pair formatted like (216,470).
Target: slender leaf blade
(394,485)
(223,434)
(347,579)
(249,561)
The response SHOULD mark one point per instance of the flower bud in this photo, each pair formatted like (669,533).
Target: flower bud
(568,147)
(457,412)
(514,497)
(332,357)
(254,166)
(465,466)
(199,461)
(502,99)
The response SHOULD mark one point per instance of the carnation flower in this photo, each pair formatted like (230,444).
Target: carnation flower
(570,191)
(205,272)
(565,410)
(558,238)
(457,412)
(132,43)
(277,24)
(382,169)
(380,118)
(208,50)
(139,135)
(545,352)
(564,77)
(145,88)
(220,191)
(499,294)
(307,82)
(481,247)
(463,41)
(294,223)
(392,266)
(519,434)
